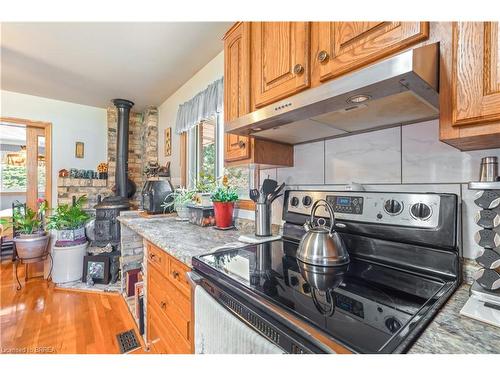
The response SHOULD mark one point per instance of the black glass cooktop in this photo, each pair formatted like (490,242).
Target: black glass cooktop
(364,305)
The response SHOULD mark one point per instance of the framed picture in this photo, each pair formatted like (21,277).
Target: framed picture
(98,267)
(79,150)
(168,141)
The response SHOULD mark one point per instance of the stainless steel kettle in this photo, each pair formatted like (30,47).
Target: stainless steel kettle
(321,245)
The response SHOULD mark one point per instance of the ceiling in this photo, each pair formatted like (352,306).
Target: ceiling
(92,63)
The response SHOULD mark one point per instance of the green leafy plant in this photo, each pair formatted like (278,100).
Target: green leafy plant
(180,196)
(29,221)
(69,216)
(205,183)
(224,192)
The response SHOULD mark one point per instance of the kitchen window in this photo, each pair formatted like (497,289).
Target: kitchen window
(206,157)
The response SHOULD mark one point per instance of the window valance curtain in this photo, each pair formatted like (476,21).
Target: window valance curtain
(202,106)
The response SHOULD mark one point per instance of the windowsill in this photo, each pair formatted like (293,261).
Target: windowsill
(245,204)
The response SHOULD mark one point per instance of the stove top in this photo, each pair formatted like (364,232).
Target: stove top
(401,271)
(365,306)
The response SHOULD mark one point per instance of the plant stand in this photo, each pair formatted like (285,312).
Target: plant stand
(27,261)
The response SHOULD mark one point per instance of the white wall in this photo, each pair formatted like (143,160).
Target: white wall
(404,158)
(70,123)
(168,111)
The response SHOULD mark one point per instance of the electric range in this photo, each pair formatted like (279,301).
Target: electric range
(404,265)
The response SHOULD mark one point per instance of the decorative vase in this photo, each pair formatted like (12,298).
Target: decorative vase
(182,212)
(32,247)
(71,237)
(224,214)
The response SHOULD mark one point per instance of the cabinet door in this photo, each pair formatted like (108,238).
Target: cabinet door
(475,73)
(280,60)
(344,46)
(236,87)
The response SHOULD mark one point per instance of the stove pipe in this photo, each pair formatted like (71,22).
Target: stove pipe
(121,172)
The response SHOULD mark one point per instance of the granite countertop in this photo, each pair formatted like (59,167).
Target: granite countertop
(181,239)
(452,333)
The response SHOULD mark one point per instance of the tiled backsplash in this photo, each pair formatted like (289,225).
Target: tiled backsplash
(405,158)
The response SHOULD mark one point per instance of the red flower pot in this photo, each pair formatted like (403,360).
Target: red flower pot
(224,214)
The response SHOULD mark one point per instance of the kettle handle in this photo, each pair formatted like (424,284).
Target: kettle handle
(328,206)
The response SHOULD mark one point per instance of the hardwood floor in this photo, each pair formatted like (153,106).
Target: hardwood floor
(39,318)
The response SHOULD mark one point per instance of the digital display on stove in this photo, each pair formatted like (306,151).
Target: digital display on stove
(344,201)
(346,204)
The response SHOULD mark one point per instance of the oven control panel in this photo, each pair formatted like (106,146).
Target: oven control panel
(345,204)
(420,210)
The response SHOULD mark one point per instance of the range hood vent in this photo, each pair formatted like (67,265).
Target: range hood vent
(399,90)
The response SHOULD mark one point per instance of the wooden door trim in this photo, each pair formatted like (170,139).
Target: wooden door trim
(47,126)
(183,157)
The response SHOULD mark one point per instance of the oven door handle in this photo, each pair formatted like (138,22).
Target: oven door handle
(194,279)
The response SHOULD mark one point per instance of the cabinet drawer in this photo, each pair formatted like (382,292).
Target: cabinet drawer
(172,340)
(177,275)
(157,257)
(161,301)
(156,342)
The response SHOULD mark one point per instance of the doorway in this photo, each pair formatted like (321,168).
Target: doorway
(25,163)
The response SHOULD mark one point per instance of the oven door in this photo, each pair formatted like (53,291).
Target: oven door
(225,323)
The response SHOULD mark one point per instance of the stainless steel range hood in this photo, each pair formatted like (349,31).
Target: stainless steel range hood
(398,90)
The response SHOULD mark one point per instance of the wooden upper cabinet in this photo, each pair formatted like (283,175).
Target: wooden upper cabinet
(475,73)
(236,87)
(280,60)
(340,47)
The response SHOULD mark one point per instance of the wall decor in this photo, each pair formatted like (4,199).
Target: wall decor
(79,150)
(97,267)
(168,141)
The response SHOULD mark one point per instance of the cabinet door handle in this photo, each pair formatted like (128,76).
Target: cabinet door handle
(152,256)
(323,56)
(175,274)
(241,144)
(298,69)
(163,304)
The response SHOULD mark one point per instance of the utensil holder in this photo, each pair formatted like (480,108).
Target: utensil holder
(262,220)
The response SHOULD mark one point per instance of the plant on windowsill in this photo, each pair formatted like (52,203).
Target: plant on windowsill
(223,198)
(179,199)
(69,221)
(204,185)
(31,239)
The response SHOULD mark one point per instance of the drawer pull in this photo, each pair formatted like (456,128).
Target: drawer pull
(154,256)
(175,274)
(163,304)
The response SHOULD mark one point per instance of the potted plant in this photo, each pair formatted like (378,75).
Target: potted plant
(69,222)
(179,199)
(223,198)
(204,186)
(31,239)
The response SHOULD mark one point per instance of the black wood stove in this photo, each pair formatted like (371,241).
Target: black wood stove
(107,227)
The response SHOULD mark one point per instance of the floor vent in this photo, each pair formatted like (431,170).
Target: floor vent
(127,341)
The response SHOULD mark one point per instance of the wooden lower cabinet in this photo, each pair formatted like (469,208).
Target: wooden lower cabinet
(169,313)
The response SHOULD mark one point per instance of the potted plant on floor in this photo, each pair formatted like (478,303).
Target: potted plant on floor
(179,199)
(223,198)
(31,240)
(68,221)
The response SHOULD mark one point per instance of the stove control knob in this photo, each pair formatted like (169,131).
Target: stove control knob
(393,207)
(307,201)
(420,211)
(392,324)
(294,280)
(294,201)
